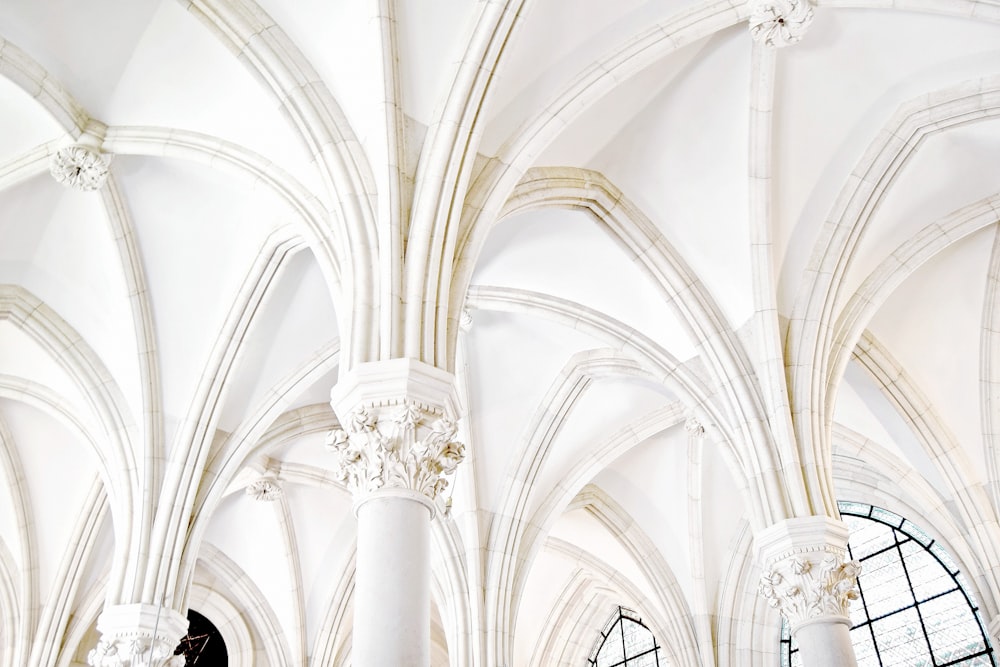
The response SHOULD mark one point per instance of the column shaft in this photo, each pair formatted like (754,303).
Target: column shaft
(392,584)
(395,449)
(825,643)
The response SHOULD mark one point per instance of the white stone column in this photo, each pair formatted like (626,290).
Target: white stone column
(806,578)
(138,635)
(394,448)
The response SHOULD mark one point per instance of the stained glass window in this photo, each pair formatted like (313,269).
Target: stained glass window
(914,609)
(625,642)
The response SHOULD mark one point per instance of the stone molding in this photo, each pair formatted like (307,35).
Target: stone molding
(384,383)
(397,430)
(138,635)
(778,23)
(80,167)
(805,574)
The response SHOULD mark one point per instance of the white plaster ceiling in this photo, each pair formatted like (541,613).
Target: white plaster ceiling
(670,133)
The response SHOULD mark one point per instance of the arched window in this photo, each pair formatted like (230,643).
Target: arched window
(625,642)
(202,646)
(915,609)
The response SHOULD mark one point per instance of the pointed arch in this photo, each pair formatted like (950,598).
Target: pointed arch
(25,72)
(441,186)
(729,368)
(274,59)
(812,326)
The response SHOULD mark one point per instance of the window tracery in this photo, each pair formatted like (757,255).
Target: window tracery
(625,642)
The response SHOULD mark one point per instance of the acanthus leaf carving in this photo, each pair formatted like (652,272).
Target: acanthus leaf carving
(133,651)
(79,167)
(811,585)
(401,446)
(778,23)
(264,489)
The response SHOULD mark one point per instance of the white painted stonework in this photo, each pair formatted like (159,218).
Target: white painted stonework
(811,585)
(805,574)
(138,636)
(778,23)
(265,489)
(399,446)
(79,167)
(394,452)
(807,577)
(430,333)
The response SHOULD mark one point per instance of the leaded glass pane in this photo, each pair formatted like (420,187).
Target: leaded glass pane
(926,574)
(965,587)
(900,641)
(864,648)
(858,615)
(868,537)
(886,587)
(645,660)
(637,638)
(953,632)
(916,533)
(853,508)
(613,651)
(887,517)
(944,557)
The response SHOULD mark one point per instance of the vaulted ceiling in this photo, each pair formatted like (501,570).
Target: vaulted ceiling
(638,193)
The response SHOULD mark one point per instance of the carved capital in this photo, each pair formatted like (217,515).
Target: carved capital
(403,445)
(805,574)
(810,586)
(138,635)
(133,652)
(397,429)
(778,23)
(80,167)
